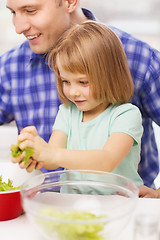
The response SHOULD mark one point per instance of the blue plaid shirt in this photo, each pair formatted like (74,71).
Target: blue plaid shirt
(28,93)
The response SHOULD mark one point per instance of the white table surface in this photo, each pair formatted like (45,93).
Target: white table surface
(21,229)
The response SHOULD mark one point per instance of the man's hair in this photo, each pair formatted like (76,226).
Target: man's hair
(93,49)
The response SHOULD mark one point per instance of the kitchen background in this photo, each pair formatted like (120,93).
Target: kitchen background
(138,17)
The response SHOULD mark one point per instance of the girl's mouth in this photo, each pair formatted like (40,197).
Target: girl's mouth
(79,102)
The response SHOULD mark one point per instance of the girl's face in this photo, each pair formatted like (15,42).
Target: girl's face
(76,88)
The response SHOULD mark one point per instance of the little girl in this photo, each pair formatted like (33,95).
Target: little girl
(96,128)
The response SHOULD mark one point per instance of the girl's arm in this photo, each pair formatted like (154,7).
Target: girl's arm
(114,151)
(55,154)
(58,139)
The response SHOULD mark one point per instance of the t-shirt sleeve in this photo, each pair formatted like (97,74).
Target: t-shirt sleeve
(127,119)
(62,119)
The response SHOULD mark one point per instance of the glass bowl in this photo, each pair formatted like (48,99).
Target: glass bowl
(79,205)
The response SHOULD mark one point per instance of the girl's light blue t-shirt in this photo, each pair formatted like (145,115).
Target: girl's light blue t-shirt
(124,118)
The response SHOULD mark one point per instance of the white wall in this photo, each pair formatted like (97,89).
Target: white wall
(8,136)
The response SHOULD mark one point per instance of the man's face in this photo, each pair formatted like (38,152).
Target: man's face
(40,21)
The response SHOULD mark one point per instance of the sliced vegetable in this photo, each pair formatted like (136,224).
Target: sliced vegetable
(16,151)
(72,231)
(7,186)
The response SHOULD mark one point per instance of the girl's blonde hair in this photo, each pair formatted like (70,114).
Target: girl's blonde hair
(93,49)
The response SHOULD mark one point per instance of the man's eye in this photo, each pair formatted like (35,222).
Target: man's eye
(31,11)
(12,12)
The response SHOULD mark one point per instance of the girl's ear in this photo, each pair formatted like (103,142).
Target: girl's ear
(71,5)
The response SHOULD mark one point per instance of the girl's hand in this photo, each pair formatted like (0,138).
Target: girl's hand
(30,138)
(30,166)
(43,155)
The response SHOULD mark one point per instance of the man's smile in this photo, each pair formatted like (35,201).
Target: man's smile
(30,37)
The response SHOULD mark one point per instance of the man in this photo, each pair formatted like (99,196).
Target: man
(27,85)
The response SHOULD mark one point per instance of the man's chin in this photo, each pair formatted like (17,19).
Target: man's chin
(37,50)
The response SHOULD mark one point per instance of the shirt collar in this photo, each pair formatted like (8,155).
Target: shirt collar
(37,57)
(88,14)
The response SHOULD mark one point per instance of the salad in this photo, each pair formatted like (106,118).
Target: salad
(7,186)
(72,231)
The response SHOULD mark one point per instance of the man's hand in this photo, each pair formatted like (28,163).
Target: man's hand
(146,192)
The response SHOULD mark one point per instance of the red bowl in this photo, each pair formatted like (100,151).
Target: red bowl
(10,201)
(10,205)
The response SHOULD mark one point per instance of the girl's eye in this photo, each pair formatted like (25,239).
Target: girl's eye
(65,82)
(84,82)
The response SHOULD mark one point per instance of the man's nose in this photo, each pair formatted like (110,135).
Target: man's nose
(21,24)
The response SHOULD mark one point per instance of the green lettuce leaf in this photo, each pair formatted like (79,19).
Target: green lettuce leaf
(16,151)
(7,186)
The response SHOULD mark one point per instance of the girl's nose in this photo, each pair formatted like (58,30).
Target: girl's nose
(74,92)
(21,24)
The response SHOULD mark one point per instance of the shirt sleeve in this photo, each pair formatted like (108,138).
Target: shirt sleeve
(127,119)
(150,92)
(62,119)
(6,114)
(144,65)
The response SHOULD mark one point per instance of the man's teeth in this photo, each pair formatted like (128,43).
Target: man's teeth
(32,37)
